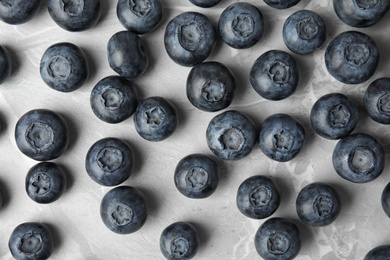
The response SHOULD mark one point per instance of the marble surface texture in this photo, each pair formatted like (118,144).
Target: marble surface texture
(225,233)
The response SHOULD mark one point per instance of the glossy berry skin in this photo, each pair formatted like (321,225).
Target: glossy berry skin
(304,32)
(45,182)
(109,161)
(179,241)
(42,134)
(281,4)
(127,55)
(361,14)
(352,57)
(5,64)
(274,75)
(123,210)
(378,253)
(241,25)
(385,200)
(210,86)
(114,99)
(75,16)
(140,16)
(334,116)
(196,176)
(377,100)
(281,137)
(278,239)
(189,38)
(231,135)
(205,3)
(358,158)
(318,204)
(18,11)
(64,67)
(258,197)
(31,241)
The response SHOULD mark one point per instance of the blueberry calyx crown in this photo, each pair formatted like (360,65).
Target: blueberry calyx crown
(213,90)
(72,7)
(367,4)
(179,246)
(243,25)
(307,28)
(112,98)
(41,183)
(40,135)
(140,8)
(110,159)
(260,196)
(323,206)
(278,244)
(362,160)
(30,243)
(196,178)
(357,53)
(339,116)
(190,36)
(122,214)
(279,72)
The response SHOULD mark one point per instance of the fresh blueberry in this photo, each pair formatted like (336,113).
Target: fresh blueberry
(258,197)
(139,16)
(31,241)
(155,119)
(210,86)
(278,239)
(18,11)
(385,199)
(274,75)
(361,13)
(281,4)
(179,240)
(127,55)
(64,67)
(45,182)
(196,176)
(123,210)
(75,15)
(304,32)
(5,64)
(358,158)
(205,3)
(352,57)
(241,25)
(231,135)
(109,161)
(114,99)
(334,116)
(318,204)
(42,134)
(281,137)
(378,253)
(377,100)
(189,38)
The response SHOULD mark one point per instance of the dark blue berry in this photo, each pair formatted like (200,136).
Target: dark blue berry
(385,199)
(281,4)
(5,64)
(205,3)
(377,100)
(378,253)
(18,12)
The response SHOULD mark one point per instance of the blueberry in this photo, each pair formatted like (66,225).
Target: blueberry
(109,161)
(127,55)
(196,176)
(75,15)
(278,239)
(258,197)
(114,99)
(31,241)
(64,67)
(179,240)
(385,199)
(155,119)
(361,13)
(45,182)
(42,134)
(377,100)
(358,158)
(231,135)
(304,32)
(140,16)
(241,25)
(211,86)
(281,137)
(18,11)
(378,253)
(352,57)
(334,116)
(189,38)
(274,75)
(281,4)
(205,3)
(123,210)
(5,64)
(318,204)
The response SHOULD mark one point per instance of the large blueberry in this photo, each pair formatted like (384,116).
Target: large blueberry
(274,75)
(241,25)
(18,11)
(281,4)
(205,3)
(5,64)
(231,135)
(378,253)
(64,67)
(123,209)
(358,158)
(42,134)
(109,161)
(75,15)
(127,55)
(189,38)
(377,100)
(385,199)
(352,57)
(211,86)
